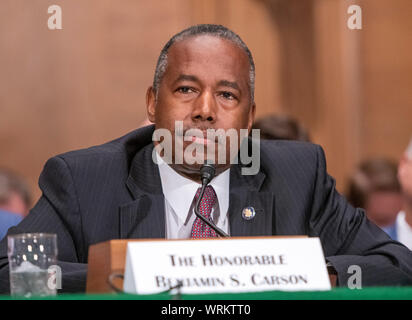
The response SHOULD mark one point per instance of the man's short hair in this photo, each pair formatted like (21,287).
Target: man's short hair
(372,175)
(203,29)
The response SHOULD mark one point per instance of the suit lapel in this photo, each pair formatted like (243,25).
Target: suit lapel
(145,216)
(245,192)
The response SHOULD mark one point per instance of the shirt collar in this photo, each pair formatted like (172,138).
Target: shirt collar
(180,191)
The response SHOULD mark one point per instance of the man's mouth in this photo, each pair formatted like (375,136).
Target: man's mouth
(199,136)
(200,140)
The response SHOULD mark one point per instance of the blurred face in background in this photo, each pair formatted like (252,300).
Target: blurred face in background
(375,187)
(14,203)
(14,193)
(405,177)
(382,207)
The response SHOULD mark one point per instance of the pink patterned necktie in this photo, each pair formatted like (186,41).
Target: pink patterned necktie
(201,230)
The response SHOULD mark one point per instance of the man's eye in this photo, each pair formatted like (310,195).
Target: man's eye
(185,90)
(228,95)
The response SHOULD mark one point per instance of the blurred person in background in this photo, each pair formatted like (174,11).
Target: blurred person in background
(404,218)
(281,127)
(8,220)
(15,200)
(375,187)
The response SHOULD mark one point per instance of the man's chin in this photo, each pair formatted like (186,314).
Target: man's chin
(192,171)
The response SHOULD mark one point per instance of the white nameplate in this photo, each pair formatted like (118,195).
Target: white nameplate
(227,265)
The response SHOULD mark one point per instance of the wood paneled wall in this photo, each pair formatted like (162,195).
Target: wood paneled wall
(84,85)
(351,88)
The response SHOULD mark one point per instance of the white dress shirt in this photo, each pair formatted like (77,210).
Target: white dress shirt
(179,193)
(403,230)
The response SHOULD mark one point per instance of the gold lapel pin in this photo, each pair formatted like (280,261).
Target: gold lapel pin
(248,213)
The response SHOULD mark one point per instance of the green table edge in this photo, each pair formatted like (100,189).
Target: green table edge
(371,293)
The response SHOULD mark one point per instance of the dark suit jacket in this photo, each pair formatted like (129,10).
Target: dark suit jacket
(114,191)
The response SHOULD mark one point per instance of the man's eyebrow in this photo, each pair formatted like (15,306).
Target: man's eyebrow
(224,83)
(186,77)
(231,84)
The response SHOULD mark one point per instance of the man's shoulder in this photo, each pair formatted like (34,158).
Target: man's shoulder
(287,157)
(123,147)
(111,160)
(288,149)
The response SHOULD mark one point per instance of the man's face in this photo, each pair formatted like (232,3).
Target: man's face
(206,86)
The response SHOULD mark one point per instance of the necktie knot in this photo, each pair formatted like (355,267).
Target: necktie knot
(208,200)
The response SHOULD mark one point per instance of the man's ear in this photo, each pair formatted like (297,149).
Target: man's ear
(151,104)
(251,120)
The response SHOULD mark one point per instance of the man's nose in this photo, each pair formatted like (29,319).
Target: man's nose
(204,108)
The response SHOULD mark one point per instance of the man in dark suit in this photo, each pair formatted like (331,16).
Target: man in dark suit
(204,78)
